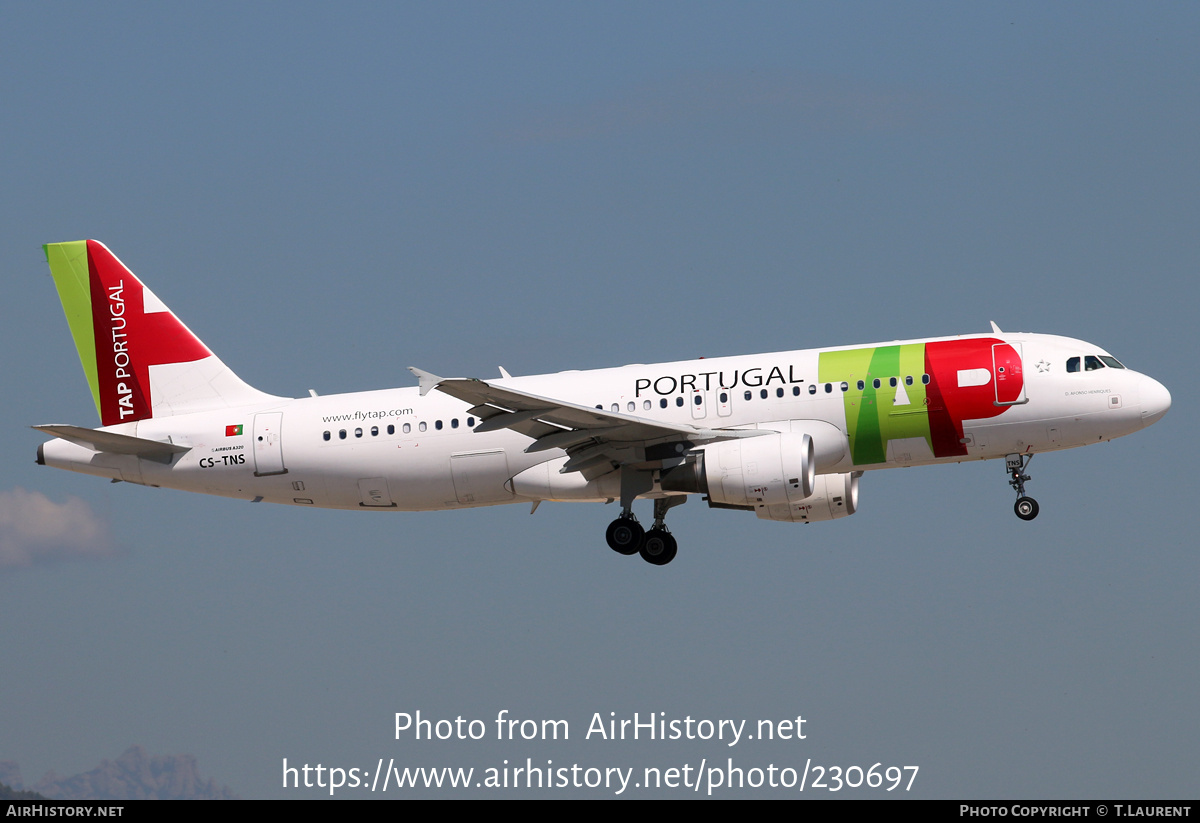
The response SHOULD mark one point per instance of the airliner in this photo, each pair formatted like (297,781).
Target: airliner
(785,435)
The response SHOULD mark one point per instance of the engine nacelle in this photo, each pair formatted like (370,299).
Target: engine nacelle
(834,496)
(776,469)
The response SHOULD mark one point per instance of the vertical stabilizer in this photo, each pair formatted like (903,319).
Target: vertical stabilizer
(139,359)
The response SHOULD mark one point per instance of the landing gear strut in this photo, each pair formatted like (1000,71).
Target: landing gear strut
(1025,507)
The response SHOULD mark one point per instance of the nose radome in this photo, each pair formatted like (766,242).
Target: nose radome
(1155,400)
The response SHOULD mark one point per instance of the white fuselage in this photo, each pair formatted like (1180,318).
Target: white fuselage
(399,449)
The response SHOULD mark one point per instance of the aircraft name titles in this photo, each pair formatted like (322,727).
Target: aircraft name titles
(753,378)
(116,310)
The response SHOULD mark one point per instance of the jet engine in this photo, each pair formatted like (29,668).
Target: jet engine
(774,469)
(773,476)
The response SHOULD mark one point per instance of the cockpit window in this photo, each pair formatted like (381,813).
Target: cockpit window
(1093,362)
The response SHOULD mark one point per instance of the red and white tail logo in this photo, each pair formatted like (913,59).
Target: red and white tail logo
(134,331)
(144,362)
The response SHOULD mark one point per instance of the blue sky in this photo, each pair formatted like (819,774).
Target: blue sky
(327,196)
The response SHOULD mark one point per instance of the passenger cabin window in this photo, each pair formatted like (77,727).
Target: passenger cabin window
(326,435)
(407,428)
(925,379)
(358,432)
(875,383)
(861,385)
(795,391)
(423,426)
(342,434)
(391,429)
(908,380)
(762,393)
(678,401)
(662,404)
(845,386)
(374,431)
(749,394)
(812,389)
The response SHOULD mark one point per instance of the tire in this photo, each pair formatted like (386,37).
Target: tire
(659,547)
(1026,508)
(625,536)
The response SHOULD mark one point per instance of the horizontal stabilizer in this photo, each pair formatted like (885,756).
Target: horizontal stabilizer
(102,441)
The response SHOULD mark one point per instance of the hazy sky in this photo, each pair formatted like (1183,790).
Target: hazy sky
(327,195)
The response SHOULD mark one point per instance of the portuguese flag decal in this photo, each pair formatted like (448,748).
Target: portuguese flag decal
(233,431)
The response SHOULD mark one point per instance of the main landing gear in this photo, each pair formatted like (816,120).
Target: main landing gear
(1025,507)
(625,535)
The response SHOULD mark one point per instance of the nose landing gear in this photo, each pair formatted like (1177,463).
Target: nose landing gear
(1026,508)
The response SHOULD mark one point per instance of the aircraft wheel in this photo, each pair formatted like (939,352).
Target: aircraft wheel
(625,535)
(659,547)
(1026,508)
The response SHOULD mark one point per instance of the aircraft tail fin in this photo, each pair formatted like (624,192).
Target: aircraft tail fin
(140,360)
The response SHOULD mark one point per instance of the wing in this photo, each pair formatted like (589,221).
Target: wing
(596,441)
